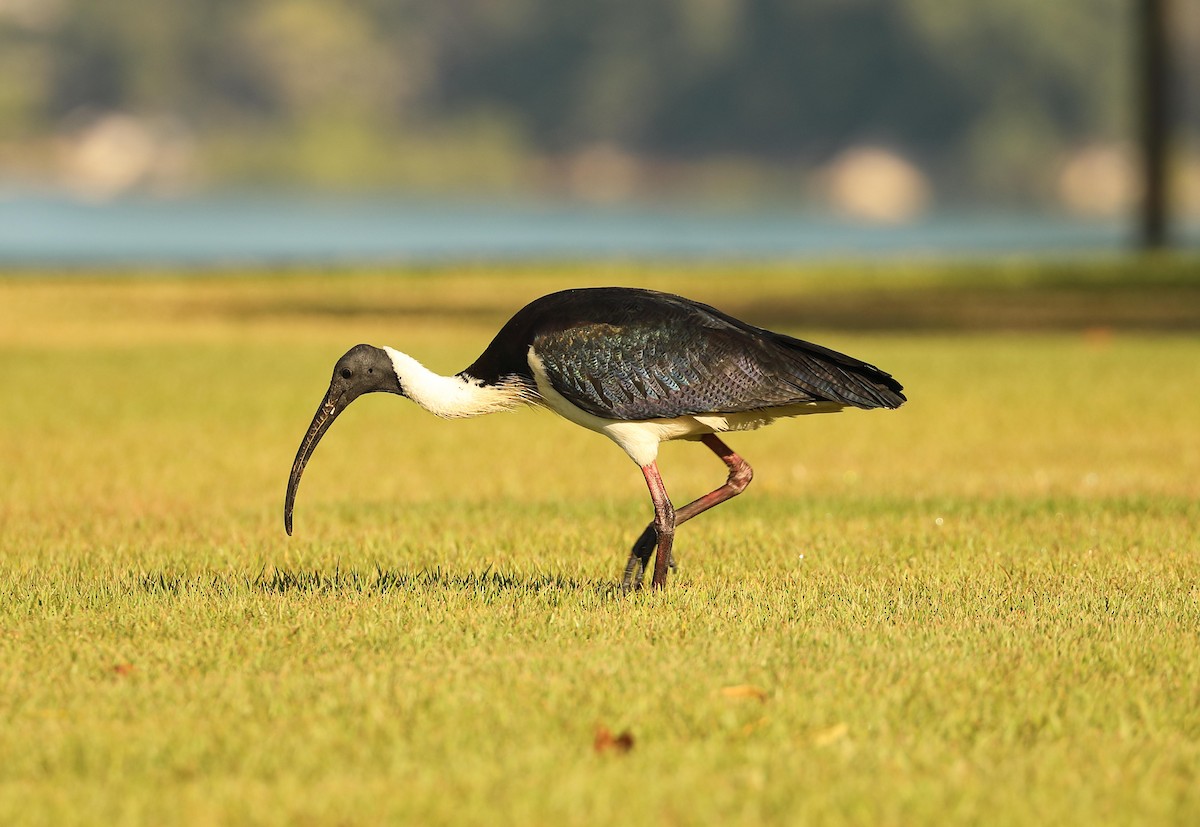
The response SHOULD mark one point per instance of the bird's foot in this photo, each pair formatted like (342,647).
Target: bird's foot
(639,558)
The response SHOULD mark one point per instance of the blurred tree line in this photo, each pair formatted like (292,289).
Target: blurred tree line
(983,96)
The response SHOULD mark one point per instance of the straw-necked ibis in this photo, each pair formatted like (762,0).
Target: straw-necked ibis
(638,366)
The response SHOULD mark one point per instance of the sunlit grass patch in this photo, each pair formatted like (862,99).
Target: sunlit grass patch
(981,608)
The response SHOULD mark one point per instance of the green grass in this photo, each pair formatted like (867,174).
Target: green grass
(982,608)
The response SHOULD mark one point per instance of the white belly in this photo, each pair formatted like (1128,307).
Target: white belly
(640,439)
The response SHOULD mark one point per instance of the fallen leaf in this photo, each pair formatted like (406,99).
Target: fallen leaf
(745,690)
(830,735)
(605,741)
(749,728)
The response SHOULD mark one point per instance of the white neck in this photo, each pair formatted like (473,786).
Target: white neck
(454,397)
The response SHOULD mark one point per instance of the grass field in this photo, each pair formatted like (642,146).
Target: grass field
(982,608)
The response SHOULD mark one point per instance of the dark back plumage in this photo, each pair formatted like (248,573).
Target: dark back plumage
(632,354)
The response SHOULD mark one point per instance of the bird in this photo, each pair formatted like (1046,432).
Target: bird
(639,366)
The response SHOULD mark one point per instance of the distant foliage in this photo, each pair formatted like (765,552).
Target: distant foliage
(981,94)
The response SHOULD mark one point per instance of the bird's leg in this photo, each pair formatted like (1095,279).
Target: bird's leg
(740,474)
(664,522)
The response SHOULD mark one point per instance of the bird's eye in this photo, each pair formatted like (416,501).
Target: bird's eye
(346,373)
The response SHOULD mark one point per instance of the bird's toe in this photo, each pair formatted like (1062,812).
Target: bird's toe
(635,573)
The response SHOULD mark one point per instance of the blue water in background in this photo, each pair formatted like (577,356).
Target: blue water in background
(227,230)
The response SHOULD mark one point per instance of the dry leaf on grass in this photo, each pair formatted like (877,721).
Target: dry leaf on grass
(753,726)
(605,741)
(830,735)
(745,690)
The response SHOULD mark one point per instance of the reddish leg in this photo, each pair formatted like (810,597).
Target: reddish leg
(663,525)
(740,474)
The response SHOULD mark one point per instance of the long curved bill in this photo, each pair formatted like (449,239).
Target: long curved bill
(331,406)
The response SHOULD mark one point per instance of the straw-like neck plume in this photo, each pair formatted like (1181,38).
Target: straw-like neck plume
(459,396)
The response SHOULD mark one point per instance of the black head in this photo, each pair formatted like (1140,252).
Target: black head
(364,369)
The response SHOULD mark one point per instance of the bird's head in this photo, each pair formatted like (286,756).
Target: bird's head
(363,369)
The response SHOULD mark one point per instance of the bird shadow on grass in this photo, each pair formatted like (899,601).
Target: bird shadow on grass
(382,581)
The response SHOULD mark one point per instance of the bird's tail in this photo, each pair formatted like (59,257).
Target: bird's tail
(843,378)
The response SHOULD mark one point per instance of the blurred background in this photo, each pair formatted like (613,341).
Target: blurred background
(204,130)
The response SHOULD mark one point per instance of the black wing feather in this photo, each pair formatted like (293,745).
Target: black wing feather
(659,356)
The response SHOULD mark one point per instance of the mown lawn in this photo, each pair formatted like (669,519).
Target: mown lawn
(982,608)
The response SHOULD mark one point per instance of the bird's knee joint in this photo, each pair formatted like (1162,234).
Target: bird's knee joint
(739,477)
